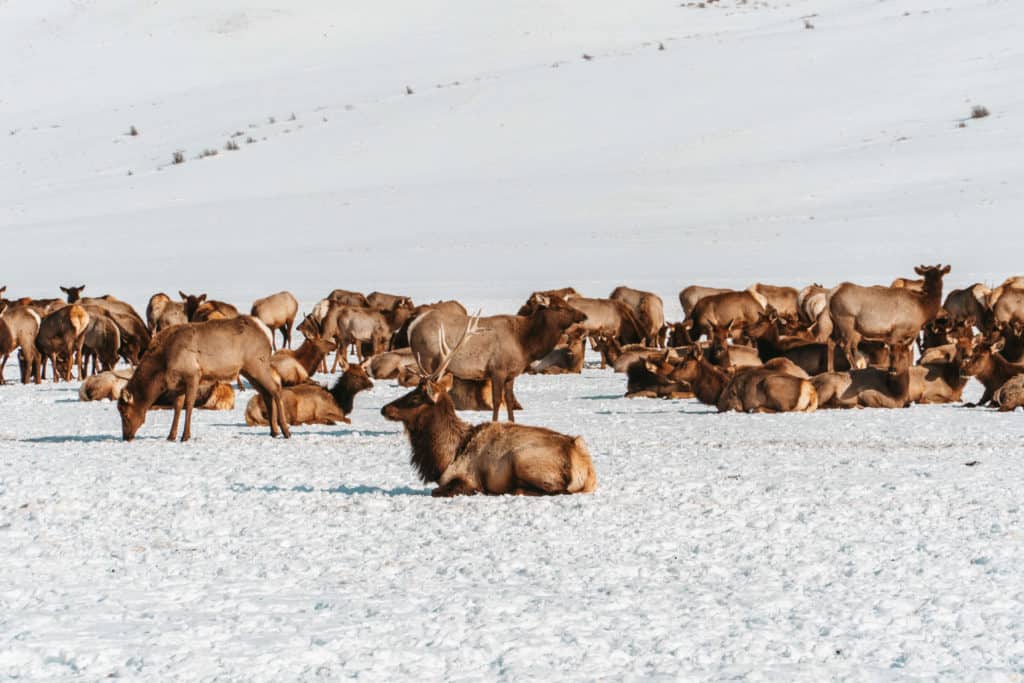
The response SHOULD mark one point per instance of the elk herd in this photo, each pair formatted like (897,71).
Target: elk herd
(763,349)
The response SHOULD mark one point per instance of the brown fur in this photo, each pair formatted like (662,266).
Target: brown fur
(990,368)
(689,297)
(649,310)
(277,312)
(492,458)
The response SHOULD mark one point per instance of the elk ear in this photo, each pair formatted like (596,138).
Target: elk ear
(945,270)
(919,270)
(80,287)
(201,297)
(65,290)
(126,397)
(183,295)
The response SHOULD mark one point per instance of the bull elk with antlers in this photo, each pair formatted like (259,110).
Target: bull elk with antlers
(492,458)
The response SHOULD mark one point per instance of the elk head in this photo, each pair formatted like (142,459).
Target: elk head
(191,303)
(980,357)
(74,293)
(133,414)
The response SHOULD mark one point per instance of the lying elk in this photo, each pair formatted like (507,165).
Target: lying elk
(649,310)
(183,357)
(647,378)
(492,458)
(295,367)
(311,403)
(566,358)
(868,387)
(501,351)
(199,309)
(990,368)
(892,316)
(162,312)
(277,312)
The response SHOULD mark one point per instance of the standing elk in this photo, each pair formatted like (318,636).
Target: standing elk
(59,340)
(400,339)
(970,303)
(884,314)
(647,308)
(785,300)
(501,351)
(163,312)
(277,312)
(812,304)
(689,297)
(101,342)
(345,297)
(491,458)
(721,310)
(19,326)
(366,328)
(182,357)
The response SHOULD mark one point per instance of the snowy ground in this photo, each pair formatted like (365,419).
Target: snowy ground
(850,545)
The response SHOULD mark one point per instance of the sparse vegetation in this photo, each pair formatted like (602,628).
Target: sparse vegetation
(808,24)
(249,140)
(207,153)
(133,131)
(979,112)
(179,157)
(231,146)
(292,117)
(271,120)
(408,90)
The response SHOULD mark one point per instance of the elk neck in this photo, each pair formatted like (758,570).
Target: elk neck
(436,436)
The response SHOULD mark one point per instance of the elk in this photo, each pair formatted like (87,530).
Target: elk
(621,357)
(543,297)
(715,310)
(59,339)
(868,387)
(1010,396)
(647,308)
(768,390)
(990,368)
(400,339)
(1009,308)
(345,297)
(295,367)
(183,357)
(645,379)
(566,358)
(277,312)
(387,365)
(689,297)
(811,356)
(162,312)
(892,316)
(603,316)
(785,300)
(199,309)
(491,458)
(388,302)
(366,328)
(503,349)
(970,303)
(731,355)
(939,382)
(101,341)
(812,303)
(73,293)
(104,386)
(311,403)
(907,283)
(19,326)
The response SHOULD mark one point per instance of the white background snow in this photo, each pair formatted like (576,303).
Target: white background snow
(849,545)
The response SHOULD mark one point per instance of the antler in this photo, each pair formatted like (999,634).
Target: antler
(472,327)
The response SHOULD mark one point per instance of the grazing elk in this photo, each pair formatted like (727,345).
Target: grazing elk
(163,312)
(59,339)
(884,314)
(311,403)
(19,326)
(812,303)
(277,312)
(501,351)
(689,297)
(492,458)
(990,368)
(199,309)
(183,357)
(647,308)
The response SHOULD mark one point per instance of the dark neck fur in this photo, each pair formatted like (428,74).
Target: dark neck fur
(436,436)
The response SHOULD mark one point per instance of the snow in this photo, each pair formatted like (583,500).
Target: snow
(837,545)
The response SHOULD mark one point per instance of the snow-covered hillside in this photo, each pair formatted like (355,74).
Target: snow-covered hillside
(750,147)
(453,149)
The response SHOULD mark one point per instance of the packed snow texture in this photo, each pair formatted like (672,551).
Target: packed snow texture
(849,545)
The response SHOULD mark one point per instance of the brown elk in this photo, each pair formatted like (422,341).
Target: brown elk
(183,357)
(768,389)
(812,303)
(908,283)
(503,349)
(690,296)
(311,403)
(566,358)
(938,382)
(101,341)
(104,386)
(162,312)
(277,312)
(18,328)
(492,458)
(647,308)
(785,300)
(295,367)
(619,356)
(543,298)
(59,339)
(346,297)
(970,303)
(1009,308)
(990,368)
(811,356)
(868,387)
(1010,396)
(731,355)
(884,314)
(648,378)
(389,364)
(199,309)
(717,310)
(400,339)
(366,328)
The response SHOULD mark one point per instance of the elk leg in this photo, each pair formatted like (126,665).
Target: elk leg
(510,399)
(282,419)
(3,364)
(191,389)
(497,386)
(178,403)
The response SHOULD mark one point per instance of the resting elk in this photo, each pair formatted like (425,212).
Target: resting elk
(501,351)
(295,367)
(990,368)
(311,403)
(491,458)
(893,316)
(183,357)
(277,312)
(199,309)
